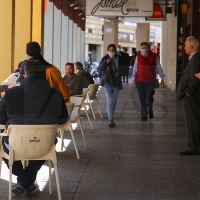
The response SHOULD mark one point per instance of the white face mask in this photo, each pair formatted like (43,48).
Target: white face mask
(144,52)
(111,54)
(27,57)
(118,49)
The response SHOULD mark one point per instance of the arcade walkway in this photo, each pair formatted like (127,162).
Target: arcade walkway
(134,161)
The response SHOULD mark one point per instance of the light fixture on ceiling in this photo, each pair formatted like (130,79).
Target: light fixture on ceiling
(75,8)
(72,4)
(83,18)
(80,14)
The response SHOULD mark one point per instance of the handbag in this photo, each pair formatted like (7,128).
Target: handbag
(156,82)
(111,78)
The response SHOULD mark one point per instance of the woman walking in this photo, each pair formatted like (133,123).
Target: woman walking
(113,64)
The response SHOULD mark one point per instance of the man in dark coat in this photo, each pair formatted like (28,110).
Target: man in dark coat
(126,63)
(189,90)
(33,102)
(87,78)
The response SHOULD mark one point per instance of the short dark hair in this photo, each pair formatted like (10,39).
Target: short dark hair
(112,45)
(71,64)
(79,65)
(145,44)
(33,48)
(34,68)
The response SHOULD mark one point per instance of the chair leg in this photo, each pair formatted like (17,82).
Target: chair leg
(57,181)
(73,139)
(0,165)
(80,124)
(98,107)
(88,116)
(91,109)
(61,131)
(50,177)
(10,182)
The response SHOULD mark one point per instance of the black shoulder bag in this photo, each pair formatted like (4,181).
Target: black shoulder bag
(111,78)
(156,83)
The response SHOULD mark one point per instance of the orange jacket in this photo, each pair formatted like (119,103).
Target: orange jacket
(55,81)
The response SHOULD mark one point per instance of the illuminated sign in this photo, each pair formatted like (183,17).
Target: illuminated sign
(131,8)
(125,37)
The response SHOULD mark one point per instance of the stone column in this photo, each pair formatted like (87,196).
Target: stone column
(142,34)
(110,35)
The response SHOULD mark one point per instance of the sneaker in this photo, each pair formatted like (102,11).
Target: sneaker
(18,189)
(31,189)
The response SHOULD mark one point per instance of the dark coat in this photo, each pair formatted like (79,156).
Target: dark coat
(189,83)
(23,104)
(87,78)
(103,66)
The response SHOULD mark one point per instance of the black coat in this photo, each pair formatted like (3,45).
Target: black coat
(103,65)
(23,104)
(189,83)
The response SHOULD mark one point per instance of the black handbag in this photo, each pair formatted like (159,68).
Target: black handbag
(156,82)
(111,78)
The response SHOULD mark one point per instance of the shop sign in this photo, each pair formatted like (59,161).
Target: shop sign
(129,8)
(125,37)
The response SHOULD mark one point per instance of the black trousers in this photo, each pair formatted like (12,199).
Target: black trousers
(27,176)
(125,77)
(192,122)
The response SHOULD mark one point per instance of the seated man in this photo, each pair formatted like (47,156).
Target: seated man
(73,81)
(87,78)
(33,102)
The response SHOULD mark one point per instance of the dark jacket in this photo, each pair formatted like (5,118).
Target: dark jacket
(87,78)
(103,65)
(189,83)
(23,104)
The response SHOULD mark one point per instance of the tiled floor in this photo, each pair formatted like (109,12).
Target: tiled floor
(134,161)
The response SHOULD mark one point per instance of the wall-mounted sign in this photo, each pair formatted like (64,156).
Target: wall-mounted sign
(131,8)
(159,11)
(125,37)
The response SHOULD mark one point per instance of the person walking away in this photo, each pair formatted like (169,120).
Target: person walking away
(126,63)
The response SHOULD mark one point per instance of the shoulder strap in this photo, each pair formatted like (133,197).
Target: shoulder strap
(46,103)
(153,74)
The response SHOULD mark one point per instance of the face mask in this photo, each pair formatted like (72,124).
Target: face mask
(118,49)
(111,54)
(28,57)
(144,52)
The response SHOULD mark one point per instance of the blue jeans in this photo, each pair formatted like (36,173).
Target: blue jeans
(111,96)
(146,92)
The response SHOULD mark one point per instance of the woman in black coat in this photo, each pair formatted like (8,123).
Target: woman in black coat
(112,84)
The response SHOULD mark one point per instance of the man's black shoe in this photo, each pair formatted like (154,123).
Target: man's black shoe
(151,115)
(31,189)
(188,153)
(144,119)
(18,189)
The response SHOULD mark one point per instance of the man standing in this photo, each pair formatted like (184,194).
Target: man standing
(126,63)
(87,78)
(73,81)
(189,90)
(33,102)
(145,67)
